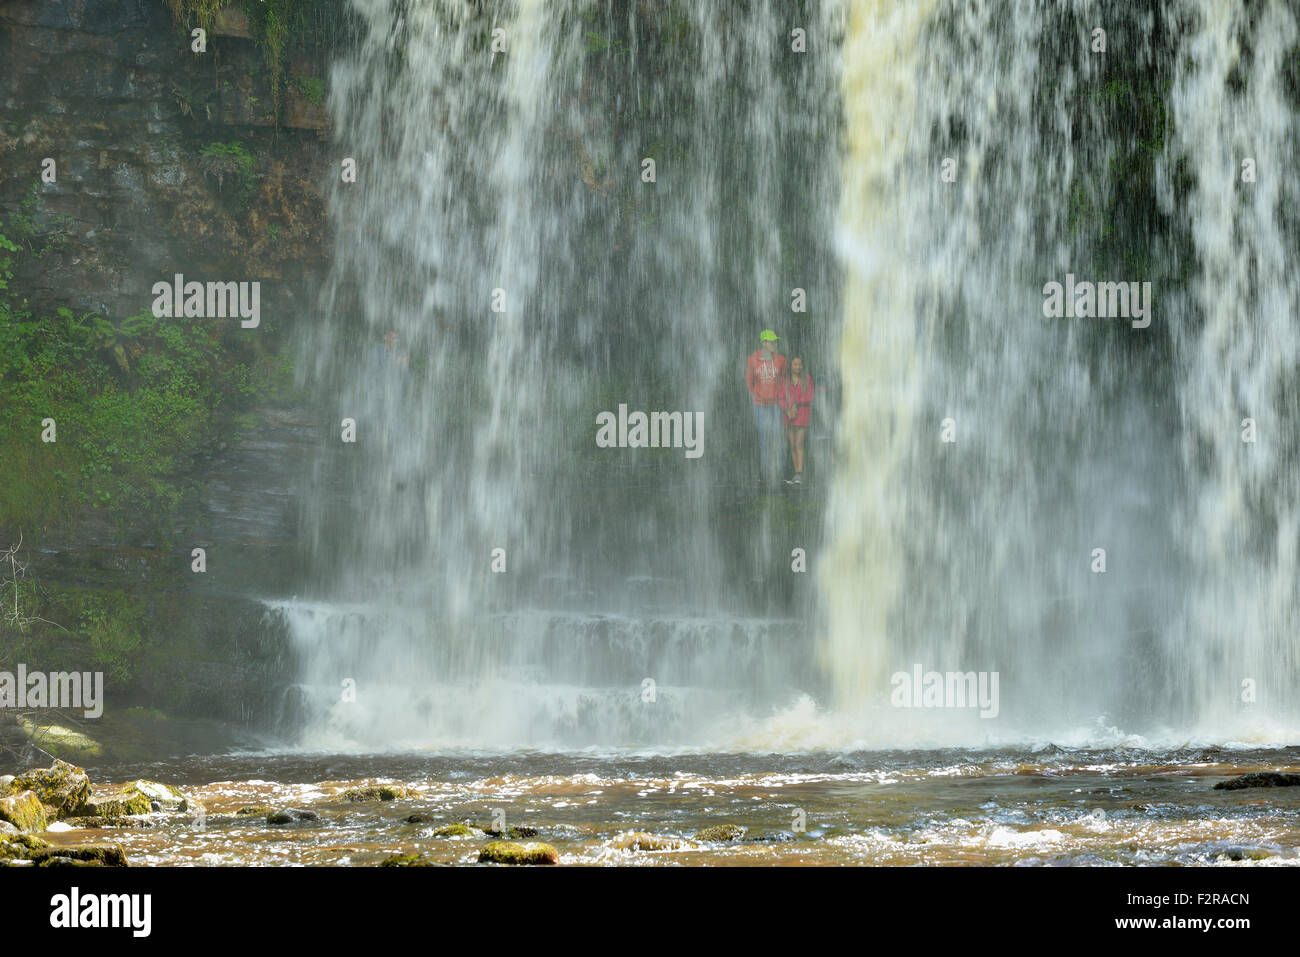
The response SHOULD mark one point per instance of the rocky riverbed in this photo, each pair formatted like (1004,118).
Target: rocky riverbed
(1045,806)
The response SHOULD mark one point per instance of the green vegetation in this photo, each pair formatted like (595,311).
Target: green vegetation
(132,403)
(508,852)
(231,161)
(276,26)
(311,87)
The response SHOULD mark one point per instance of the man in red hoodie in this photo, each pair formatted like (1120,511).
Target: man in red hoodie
(764,374)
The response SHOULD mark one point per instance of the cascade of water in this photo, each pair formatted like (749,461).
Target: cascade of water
(984,451)
(519,175)
(1237,130)
(502,228)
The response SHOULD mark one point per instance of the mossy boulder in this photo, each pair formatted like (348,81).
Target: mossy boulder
(19,847)
(643,841)
(6,784)
(456,830)
(379,792)
(24,811)
(162,797)
(138,797)
(1260,779)
(720,834)
(98,855)
(510,852)
(121,804)
(63,788)
(407,860)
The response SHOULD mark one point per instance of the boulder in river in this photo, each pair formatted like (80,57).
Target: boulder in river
(408,860)
(720,833)
(289,815)
(513,833)
(24,811)
(120,804)
(379,792)
(510,852)
(161,797)
(643,841)
(1260,779)
(63,788)
(92,855)
(18,847)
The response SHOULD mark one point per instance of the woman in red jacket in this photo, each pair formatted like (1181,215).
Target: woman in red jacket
(796,401)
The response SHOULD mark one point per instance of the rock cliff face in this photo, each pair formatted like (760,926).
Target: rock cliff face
(166,161)
(111,91)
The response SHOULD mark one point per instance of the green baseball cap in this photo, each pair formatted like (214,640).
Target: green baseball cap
(767,334)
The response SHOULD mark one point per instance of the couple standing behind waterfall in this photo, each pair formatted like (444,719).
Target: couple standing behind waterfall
(777,396)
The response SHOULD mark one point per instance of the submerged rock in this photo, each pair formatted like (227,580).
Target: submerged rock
(291,814)
(24,811)
(106,822)
(512,833)
(643,841)
(408,860)
(62,788)
(1260,779)
(509,852)
(456,830)
(260,810)
(380,792)
(720,833)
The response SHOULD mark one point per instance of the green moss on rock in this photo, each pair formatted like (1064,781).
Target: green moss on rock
(167,798)
(24,811)
(62,788)
(379,792)
(19,847)
(407,860)
(103,855)
(456,830)
(138,797)
(259,810)
(122,804)
(509,852)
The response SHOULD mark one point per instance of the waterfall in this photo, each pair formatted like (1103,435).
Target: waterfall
(502,226)
(560,210)
(1237,354)
(980,553)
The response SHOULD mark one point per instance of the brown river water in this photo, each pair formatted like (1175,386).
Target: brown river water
(946,807)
